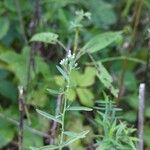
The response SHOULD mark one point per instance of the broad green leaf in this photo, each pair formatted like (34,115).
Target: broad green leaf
(59,80)
(71,94)
(88,78)
(42,67)
(101,41)
(46,37)
(64,74)
(4,26)
(36,140)
(8,90)
(86,96)
(103,14)
(132,83)
(3,74)
(17,64)
(10,57)
(48,116)
(79,108)
(38,97)
(7,133)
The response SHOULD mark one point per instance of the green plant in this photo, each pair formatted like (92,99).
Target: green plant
(67,65)
(115,133)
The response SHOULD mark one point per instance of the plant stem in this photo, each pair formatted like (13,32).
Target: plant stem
(64,112)
(136,19)
(76,40)
(54,125)
(21,111)
(63,123)
(141,116)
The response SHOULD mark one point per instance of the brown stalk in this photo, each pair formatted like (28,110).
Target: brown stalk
(54,124)
(136,20)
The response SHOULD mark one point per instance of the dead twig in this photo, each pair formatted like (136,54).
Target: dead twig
(141,116)
(54,124)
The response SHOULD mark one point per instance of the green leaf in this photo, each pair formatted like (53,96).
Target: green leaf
(36,140)
(88,78)
(106,78)
(48,147)
(42,67)
(86,97)
(7,133)
(103,14)
(147,112)
(3,74)
(75,137)
(79,108)
(8,90)
(101,41)
(46,37)
(64,74)
(59,80)
(4,26)
(54,92)
(71,94)
(48,116)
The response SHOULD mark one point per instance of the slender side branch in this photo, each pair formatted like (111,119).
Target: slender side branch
(76,38)
(16,123)
(141,116)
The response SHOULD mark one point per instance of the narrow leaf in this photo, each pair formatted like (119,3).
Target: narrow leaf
(64,74)
(48,147)
(51,117)
(78,136)
(46,37)
(54,92)
(79,108)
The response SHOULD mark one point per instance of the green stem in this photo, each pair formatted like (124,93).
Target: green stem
(76,40)
(63,121)
(63,114)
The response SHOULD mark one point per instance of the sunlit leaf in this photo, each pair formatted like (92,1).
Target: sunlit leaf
(106,79)
(64,74)
(46,37)
(79,108)
(48,116)
(74,138)
(86,96)
(101,41)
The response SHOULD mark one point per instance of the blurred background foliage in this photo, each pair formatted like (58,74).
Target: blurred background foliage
(33,65)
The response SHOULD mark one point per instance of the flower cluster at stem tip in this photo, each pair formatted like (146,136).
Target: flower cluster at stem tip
(69,61)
